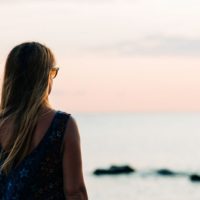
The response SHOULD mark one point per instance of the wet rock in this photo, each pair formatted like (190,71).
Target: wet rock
(166,172)
(195,178)
(114,170)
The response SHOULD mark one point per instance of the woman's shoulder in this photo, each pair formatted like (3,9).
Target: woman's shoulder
(71,132)
(72,126)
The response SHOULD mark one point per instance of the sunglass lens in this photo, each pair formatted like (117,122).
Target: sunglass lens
(54,73)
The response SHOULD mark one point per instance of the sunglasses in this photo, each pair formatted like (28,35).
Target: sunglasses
(54,72)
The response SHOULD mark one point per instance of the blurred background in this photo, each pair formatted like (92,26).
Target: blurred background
(130,75)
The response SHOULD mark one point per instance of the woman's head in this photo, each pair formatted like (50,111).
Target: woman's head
(27,81)
(26,75)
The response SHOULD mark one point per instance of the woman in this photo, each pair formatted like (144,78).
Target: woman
(40,147)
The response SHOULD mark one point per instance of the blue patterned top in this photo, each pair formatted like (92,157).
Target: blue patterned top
(39,176)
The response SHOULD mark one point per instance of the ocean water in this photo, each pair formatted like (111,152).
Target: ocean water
(147,142)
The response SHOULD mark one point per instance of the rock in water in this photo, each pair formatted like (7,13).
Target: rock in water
(165,172)
(195,178)
(114,170)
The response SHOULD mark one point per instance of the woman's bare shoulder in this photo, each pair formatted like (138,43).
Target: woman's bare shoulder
(74,185)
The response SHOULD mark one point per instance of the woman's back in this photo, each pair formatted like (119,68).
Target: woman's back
(40,174)
(36,160)
(43,124)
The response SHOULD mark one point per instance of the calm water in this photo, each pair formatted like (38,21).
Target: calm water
(146,142)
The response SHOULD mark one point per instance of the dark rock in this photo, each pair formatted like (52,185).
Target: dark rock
(166,172)
(195,178)
(114,170)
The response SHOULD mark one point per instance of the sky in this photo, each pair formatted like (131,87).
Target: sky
(114,55)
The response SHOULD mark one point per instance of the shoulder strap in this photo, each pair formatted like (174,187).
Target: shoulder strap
(59,127)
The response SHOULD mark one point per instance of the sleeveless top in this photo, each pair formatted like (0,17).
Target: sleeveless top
(39,176)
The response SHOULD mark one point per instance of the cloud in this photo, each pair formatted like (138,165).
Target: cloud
(153,45)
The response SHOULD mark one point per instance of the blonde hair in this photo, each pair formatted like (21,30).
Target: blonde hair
(24,92)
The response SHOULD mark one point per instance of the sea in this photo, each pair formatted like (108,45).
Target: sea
(147,142)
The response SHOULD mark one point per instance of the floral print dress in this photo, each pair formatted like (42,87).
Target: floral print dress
(39,176)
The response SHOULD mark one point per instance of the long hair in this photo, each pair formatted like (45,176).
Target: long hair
(24,92)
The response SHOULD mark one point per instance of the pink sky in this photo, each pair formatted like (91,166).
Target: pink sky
(117,55)
(92,84)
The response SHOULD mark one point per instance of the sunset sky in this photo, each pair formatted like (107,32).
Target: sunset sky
(114,55)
